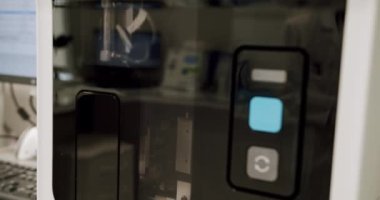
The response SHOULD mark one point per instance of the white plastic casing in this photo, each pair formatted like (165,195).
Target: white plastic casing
(45,99)
(356,164)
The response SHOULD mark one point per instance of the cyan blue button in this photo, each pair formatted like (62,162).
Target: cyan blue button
(266,114)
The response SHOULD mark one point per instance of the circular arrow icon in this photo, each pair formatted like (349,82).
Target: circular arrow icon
(262,164)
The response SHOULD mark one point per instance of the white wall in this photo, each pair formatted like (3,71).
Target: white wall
(11,118)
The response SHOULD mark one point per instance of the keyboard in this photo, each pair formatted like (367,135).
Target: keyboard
(17,182)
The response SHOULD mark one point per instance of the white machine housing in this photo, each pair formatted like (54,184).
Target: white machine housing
(356,164)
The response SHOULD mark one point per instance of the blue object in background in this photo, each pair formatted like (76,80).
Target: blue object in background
(266,114)
(145,53)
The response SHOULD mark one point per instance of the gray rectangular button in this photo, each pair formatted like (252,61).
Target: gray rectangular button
(262,164)
(269,75)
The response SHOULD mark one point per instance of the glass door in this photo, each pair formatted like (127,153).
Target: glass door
(200,99)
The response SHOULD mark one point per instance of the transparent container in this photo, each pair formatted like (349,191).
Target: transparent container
(114,43)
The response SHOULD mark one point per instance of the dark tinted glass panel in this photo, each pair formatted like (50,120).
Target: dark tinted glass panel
(97,146)
(207,99)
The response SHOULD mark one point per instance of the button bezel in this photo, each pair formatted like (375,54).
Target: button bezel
(288,142)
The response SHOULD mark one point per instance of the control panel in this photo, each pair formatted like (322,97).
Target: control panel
(267,118)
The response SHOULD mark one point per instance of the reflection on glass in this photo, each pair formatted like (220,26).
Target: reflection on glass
(186,73)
